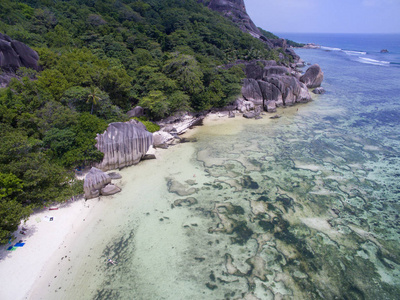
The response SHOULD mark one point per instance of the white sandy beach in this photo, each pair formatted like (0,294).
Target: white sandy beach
(25,272)
(20,269)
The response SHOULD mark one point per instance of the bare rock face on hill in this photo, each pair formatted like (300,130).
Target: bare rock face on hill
(313,77)
(14,54)
(123,144)
(272,86)
(235,10)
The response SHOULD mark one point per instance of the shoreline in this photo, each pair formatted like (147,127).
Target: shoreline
(20,269)
(48,242)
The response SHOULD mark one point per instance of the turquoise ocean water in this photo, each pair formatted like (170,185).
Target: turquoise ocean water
(302,207)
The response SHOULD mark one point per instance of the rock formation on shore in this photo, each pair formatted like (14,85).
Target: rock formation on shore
(271,86)
(313,77)
(123,144)
(98,183)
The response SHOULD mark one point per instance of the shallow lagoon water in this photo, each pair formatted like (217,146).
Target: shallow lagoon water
(301,207)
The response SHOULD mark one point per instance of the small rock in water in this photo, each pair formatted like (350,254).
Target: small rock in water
(319,91)
(200,259)
(211,286)
(275,117)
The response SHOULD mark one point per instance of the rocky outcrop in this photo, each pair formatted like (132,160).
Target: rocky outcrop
(180,122)
(94,181)
(319,91)
(235,10)
(162,139)
(243,105)
(313,77)
(251,91)
(109,189)
(271,85)
(137,111)
(123,144)
(98,183)
(14,54)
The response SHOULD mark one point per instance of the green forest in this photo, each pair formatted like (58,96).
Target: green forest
(99,59)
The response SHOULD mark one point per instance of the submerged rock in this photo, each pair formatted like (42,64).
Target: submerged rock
(123,144)
(319,91)
(185,202)
(180,189)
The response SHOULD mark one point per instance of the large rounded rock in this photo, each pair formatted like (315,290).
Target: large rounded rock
(137,111)
(243,105)
(250,115)
(123,144)
(251,91)
(162,139)
(319,91)
(270,92)
(14,54)
(94,181)
(313,77)
(110,189)
(275,70)
(270,106)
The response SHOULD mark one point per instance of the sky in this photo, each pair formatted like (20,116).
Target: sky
(326,16)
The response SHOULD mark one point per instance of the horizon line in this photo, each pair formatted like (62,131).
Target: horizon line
(297,32)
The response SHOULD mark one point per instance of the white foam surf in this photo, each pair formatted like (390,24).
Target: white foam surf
(351,52)
(371,61)
(330,48)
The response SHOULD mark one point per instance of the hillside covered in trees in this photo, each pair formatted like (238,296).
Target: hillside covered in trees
(98,59)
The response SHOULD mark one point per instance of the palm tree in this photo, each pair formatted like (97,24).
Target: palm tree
(93,97)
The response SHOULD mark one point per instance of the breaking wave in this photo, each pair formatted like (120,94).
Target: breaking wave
(360,56)
(351,52)
(330,48)
(371,61)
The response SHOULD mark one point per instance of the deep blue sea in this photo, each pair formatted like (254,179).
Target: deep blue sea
(364,48)
(306,206)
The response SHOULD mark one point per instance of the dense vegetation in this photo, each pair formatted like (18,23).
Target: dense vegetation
(270,35)
(99,58)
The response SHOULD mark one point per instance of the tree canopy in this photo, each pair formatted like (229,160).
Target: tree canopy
(99,59)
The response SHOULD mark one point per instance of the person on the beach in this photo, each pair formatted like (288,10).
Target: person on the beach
(111,261)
